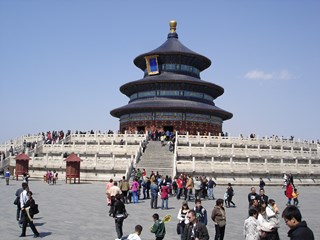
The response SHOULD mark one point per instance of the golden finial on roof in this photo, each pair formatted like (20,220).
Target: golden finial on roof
(173,25)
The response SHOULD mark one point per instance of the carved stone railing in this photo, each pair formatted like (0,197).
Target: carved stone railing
(216,154)
(109,138)
(91,149)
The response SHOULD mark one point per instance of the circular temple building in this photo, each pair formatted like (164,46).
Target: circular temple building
(171,96)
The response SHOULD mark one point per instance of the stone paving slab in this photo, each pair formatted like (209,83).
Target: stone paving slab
(80,212)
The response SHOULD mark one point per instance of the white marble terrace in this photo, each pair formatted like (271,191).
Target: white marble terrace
(245,156)
(114,155)
(103,155)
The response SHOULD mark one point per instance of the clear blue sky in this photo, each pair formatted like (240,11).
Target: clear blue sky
(62,62)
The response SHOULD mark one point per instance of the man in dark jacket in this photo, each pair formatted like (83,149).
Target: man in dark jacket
(195,230)
(298,229)
(119,211)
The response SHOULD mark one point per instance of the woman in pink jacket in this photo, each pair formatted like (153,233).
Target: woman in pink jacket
(135,189)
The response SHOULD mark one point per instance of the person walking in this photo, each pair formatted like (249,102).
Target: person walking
(218,216)
(28,212)
(262,184)
(17,201)
(158,228)
(135,189)
(108,186)
(124,187)
(289,191)
(295,195)
(154,195)
(230,195)
(298,229)
(118,214)
(195,230)
(183,220)
(7,176)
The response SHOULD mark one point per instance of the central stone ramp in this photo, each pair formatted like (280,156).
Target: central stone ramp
(156,158)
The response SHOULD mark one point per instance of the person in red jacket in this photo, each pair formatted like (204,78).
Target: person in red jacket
(289,190)
(164,196)
(180,187)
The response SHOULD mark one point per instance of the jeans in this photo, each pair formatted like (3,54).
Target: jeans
(144,191)
(289,201)
(182,231)
(219,232)
(119,224)
(179,191)
(210,193)
(165,200)
(135,196)
(154,201)
(189,193)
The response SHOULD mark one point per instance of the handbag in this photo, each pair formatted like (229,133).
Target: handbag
(178,228)
(125,214)
(16,201)
(35,209)
(222,223)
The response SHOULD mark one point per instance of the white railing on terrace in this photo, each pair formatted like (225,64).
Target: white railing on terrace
(19,141)
(238,141)
(103,137)
(101,149)
(244,152)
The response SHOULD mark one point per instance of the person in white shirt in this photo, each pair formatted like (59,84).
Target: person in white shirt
(23,200)
(136,234)
(23,195)
(251,226)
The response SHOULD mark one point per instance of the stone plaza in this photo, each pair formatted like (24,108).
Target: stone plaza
(80,211)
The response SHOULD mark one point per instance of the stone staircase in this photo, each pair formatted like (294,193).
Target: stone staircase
(156,158)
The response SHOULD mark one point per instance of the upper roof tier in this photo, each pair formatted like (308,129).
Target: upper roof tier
(164,80)
(173,47)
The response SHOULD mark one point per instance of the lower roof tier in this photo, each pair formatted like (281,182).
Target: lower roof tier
(168,104)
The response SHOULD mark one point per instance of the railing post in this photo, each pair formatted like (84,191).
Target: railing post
(193,164)
(174,167)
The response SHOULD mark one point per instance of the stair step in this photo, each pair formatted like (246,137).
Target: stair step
(156,158)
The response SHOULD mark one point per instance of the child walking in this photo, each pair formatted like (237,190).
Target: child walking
(295,195)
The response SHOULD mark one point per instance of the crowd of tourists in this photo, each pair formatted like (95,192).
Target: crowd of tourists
(192,217)
(263,214)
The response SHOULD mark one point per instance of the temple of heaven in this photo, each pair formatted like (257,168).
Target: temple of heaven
(171,95)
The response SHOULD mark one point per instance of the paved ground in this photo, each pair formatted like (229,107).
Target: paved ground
(79,211)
